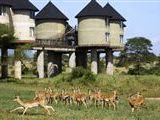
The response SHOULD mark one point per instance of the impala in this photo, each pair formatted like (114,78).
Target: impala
(136,101)
(31,104)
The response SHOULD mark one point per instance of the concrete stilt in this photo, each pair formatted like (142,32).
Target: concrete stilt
(109,62)
(72,61)
(17,66)
(17,69)
(94,61)
(40,63)
(54,66)
(81,59)
(4,62)
(98,61)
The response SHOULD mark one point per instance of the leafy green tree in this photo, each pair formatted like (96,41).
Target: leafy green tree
(137,52)
(6,39)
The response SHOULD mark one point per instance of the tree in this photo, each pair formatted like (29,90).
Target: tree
(137,52)
(6,38)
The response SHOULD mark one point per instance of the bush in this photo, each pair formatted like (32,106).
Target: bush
(142,71)
(137,71)
(77,72)
(155,71)
(82,75)
(89,76)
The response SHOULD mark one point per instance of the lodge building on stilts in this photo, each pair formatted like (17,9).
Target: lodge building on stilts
(99,30)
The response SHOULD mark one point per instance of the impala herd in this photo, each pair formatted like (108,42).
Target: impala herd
(77,97)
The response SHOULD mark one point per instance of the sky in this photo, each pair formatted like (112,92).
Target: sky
(143,16)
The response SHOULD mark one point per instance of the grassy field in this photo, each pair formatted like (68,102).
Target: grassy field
(149,86)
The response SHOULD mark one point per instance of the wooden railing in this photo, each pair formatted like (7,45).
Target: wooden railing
(54,43)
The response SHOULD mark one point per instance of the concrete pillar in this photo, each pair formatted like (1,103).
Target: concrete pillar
(81,59)
(54,65)
(94,61)
(109,62)
(4,62)
(72,61)
(98,61)
(40,63)
(17,66)
(17,69)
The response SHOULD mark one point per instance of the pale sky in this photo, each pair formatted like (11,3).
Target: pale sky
(143,16)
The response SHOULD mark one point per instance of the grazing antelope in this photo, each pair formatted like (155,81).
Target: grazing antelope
(30,104)
(79,98)
(95,96)
(54,96)
(110,99)
(136,100)
(48,94)
(65,97)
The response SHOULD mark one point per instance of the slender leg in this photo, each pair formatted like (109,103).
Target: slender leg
(95,103)
(50,108)
(103,104)
(55,100)
(132,109)
(84,102)
(46,109)
(24,111)
(18,108)
(71,101)
(114,106)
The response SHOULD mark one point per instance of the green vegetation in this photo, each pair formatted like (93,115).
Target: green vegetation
(6,39)
(82,75)
(138,57)
(149,86)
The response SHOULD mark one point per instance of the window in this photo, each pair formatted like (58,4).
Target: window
(107,22)
(121,38)
(121,25)
(2,10)
(31,31)
(107,36)
(32,14)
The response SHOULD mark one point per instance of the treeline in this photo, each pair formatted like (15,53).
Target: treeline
(138,57)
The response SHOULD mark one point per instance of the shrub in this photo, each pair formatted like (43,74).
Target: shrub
(142,71)
(89,76)
(155,71)
(77,72)
(82,75)
(137,71)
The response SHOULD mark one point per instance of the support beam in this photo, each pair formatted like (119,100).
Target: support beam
(17,66)
(109,62)
(81,59)
(98,61)
(72,61)
(94,61)
(4,62)
(18,69)
(54,66)
(40,63)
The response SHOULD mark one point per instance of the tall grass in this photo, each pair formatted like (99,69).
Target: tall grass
(148,85)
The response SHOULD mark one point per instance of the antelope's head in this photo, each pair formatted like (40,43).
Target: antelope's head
(16,98)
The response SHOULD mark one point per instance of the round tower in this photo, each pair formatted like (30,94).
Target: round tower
(92,25)
(50,29)
(116,27)
(50,23)
(23,12)
(23,20)
(5,11)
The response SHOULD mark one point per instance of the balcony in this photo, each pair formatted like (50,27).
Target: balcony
(59,43)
